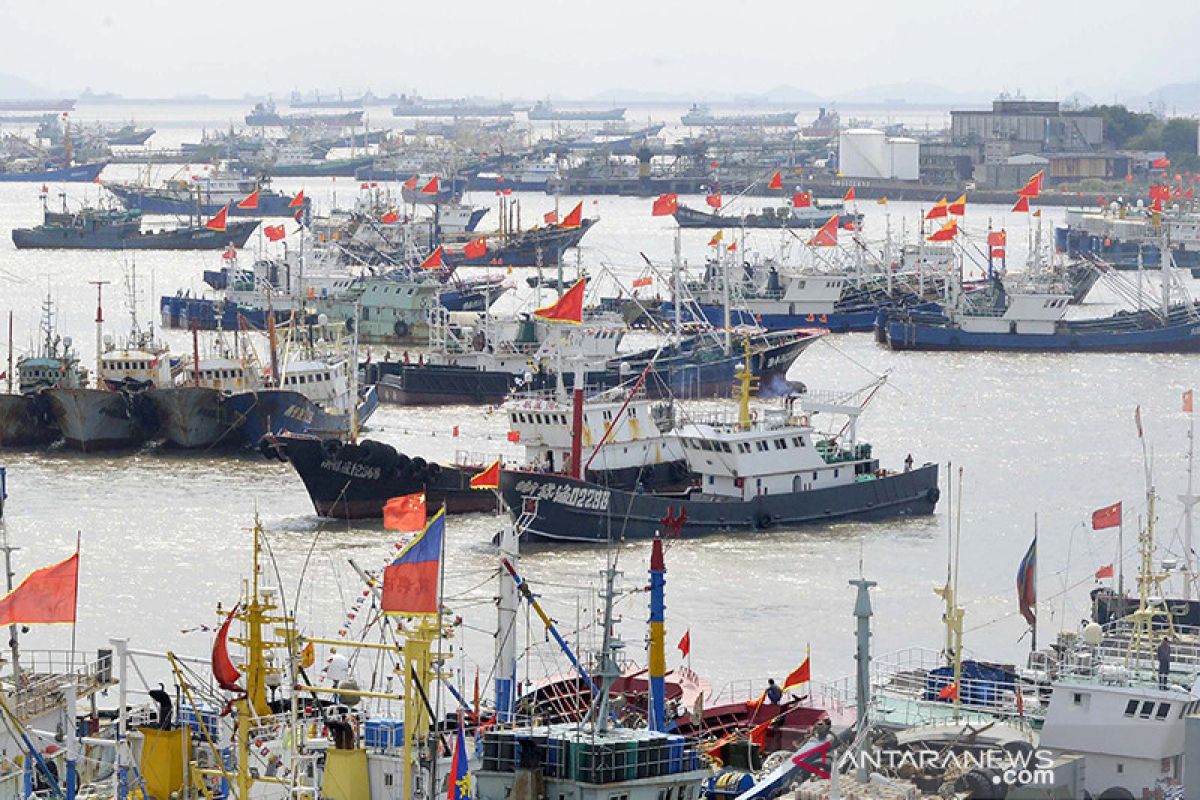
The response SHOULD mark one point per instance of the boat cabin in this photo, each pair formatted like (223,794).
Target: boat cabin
(223,374)
(45,372)
(323,381)
(574,762)
(775,452)
(1018,312)
(640,437)
(121,365)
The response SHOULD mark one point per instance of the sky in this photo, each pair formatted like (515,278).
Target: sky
(581,48)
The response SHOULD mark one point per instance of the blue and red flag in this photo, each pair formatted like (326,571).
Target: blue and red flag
(410,583)
(460,780)
(1027,584)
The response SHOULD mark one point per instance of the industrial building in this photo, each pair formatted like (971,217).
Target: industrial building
(870,153)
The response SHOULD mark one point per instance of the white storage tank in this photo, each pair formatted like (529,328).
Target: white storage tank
(862,153)
(905,157)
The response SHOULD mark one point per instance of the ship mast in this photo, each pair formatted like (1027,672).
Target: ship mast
(1148,580)
(1188,499)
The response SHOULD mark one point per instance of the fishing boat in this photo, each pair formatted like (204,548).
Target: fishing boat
(755,473)
(1033,319)
(480,358)
(543,111)
(812,216)
(25,417)
(700,116)
(191,413)
(1129,237)
(207,195)
(26,171)
(544,247)
(309,385)
(117,229)
(527,175)
(354,480)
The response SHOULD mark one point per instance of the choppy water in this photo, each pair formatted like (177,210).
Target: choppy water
(164,534)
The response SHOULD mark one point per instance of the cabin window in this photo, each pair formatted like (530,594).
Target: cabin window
(725,447)
(762,445)
(1120,768)
(797,441)
(781,444)
(1076,698)
(387,779)
(814,476)
(1131,708)
(835,473)
(710,480)
(1147,709)
(1163,710)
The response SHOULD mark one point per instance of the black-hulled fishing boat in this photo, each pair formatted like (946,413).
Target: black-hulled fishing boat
(355,480)
(755,474)
(531,248)
(117,229)
(25,417)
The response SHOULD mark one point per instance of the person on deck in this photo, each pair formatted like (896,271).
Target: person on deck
(1164,662)
(774,693)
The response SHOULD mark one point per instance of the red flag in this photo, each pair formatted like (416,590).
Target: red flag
(849,195)
(45,596)
(224,671)
(454,432)
(1160,192)
(575,218)
(1187,402)
(758,734)
(640,282)
(568,308)
(939,210)
(685,644)
(405,513)
(274,232)
(949,692)
(713,200)
(514,436)
(997,238)
(390,217)
(489,478)
(434,259)
(551,218)
(298,200)
(776,181)
(364,185)
(1021,206)
(827,236)
(946,232)
(802,200)
(230,253)
(1104,572)
(800,676)
(1032,187)
(431,187)
(665,205)
(1107,517)
(411,183)
(249,201)
(1160,163)
(217,223)
(959,206)
(732,247)
(410,583)
(476,248)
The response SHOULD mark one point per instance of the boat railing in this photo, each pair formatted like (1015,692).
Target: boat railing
(39,686)
(906,691)
(476,459)
(1120,659)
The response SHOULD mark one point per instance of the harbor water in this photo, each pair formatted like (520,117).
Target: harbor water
(164,534)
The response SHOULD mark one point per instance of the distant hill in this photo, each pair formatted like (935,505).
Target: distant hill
(1179,97)
(13,87)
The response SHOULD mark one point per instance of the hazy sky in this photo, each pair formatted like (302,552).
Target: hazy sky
(581,47)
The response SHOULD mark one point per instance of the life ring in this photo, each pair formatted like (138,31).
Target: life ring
(401,328)
(762,520)
(933,495)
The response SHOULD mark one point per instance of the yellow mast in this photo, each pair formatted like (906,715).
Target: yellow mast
(419,665)
(744,382)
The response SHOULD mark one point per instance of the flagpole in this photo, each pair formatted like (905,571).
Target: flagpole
(437,698)
(75,616)
(1121,563)
(1033,638)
